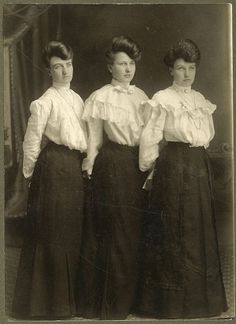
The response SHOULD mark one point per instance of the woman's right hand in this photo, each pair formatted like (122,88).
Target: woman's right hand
(28,181)
(85,175)
(87,168)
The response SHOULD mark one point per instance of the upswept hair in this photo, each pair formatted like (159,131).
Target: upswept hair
(185,49)
(123,44)
(58,49)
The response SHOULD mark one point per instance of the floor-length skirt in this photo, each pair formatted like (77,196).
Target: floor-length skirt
(182,275)
(111,262)
(48,268)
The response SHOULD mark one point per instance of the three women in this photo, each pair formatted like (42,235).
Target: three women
(181,276)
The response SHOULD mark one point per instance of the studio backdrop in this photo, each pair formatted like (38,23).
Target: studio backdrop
(89,29)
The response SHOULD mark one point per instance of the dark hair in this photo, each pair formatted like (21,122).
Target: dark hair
(123,44)
(56,48)
(185,49)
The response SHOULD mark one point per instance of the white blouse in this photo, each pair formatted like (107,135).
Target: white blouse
(117,111)
(57,115)
(179,114)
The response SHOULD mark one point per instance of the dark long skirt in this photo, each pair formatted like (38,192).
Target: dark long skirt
(111,262)
(45,286)
(182,275)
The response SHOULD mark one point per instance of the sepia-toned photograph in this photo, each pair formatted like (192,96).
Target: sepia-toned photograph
(118,162)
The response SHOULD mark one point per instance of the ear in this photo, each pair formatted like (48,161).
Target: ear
(109,67)
(49,72)
(171,71)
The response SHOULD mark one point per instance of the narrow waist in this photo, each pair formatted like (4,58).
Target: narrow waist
(122,147)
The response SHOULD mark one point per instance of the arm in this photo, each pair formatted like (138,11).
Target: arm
(211,108)
(95,139)
(33,136)
(151,135)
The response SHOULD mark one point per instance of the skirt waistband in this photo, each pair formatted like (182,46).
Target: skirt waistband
(184,145)
(62,149)
(122,147)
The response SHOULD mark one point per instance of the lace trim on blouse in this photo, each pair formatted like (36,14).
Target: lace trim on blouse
(116,105)
(114,114)
(175,104)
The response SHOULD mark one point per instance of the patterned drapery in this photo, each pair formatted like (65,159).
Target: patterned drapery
(25,32)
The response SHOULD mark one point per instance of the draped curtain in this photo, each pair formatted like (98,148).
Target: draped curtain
(26,31)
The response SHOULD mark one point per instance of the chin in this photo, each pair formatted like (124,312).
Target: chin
(67,79)
(187,83)
(128,80)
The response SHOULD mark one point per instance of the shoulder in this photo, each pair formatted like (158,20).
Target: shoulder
(44,101)
(164,94)
(140,93)
(77,96)
(162,98)
(101,93)
(199,96)
(203,102)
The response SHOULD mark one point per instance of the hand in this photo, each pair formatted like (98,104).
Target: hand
(85,175)
(28,182)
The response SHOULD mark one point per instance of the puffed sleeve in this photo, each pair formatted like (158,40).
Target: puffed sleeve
(151,135)
(211,108)
(95,140)
(32,141)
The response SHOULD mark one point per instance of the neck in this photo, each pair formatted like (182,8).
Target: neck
(181,89)
(60,85)
(176,85)
(124,85)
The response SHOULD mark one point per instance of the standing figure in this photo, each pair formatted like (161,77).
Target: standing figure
(182,275)
(45,286)
(115,111)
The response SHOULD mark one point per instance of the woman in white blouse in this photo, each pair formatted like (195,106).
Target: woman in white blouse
(115,111)
(45,286)
(182,276)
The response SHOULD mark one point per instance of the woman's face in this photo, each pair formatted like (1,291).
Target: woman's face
(123,68)
(61,70)
(183,72)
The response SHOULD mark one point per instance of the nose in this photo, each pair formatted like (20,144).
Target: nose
(128,68)
(186,72)
(64,71)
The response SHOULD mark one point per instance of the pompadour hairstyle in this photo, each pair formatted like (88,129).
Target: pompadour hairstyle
(123,44)
(58,49)
(185,49)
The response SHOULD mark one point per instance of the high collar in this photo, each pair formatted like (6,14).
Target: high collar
(58,85)
(181,89)
(121,87)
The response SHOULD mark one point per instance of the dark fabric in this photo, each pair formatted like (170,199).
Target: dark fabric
(182,275)
(48,267)
(111,256)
